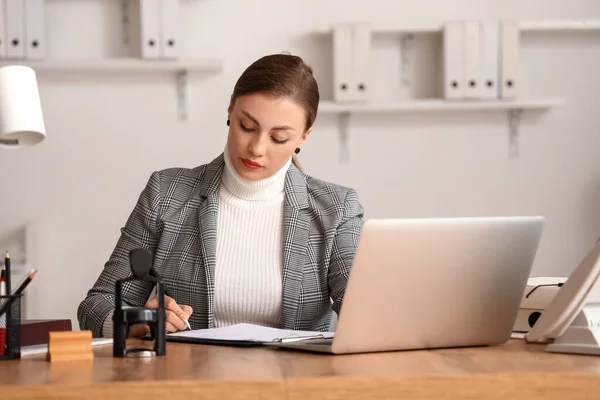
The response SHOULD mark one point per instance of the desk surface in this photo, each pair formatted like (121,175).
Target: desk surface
(514,370)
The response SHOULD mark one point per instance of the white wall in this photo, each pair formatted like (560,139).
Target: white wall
(107,133)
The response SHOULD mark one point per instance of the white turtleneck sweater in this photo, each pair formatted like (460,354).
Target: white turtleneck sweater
(248,273)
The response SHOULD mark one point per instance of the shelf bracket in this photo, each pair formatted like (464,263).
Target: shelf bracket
(406,58)
(182,95)
(514,121)
(125,17)
(344,123)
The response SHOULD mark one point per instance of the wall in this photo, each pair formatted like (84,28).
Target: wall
(108,132)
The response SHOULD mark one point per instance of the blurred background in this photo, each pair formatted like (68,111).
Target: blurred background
(63,202)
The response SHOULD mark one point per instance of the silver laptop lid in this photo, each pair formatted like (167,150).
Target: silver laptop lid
(441,282)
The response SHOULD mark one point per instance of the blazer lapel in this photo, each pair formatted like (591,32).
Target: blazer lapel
(207,220)
(296,224)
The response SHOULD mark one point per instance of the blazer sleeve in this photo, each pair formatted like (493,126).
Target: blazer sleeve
(140,231)
(344,248)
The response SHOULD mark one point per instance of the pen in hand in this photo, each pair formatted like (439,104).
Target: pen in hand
(183,317)
(185,321)
(177,315)
(179,311)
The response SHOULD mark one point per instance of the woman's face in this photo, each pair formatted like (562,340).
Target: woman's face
(263,134)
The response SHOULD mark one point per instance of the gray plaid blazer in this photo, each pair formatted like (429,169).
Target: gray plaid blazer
(176,219)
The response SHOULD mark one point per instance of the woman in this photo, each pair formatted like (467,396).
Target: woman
(248,237)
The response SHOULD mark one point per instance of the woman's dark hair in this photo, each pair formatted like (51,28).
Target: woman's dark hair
(281,75)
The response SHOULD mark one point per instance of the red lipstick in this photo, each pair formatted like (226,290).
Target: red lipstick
(251,164)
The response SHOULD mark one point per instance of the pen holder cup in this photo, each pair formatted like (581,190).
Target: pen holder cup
(10,327)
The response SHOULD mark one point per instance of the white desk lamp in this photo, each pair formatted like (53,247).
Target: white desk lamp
(21,118)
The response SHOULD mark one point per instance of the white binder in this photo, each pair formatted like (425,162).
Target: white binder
(169,29)
(510,41)
(2,28)
(342,62)
(15,28)
(490,59)
(361,48)
(453,60)
(150,28)
(35,40)
(472,59)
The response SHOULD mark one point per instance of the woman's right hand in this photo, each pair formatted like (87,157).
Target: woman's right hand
(176,316)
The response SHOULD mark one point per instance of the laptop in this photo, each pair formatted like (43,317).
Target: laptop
(433,283)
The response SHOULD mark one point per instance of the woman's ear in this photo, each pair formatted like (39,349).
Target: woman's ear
(305,136)
(231,104)
(230,108)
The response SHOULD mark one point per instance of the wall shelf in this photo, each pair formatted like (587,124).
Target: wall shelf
(433,27)
(121,65)
(181,68)
(514,109)
(331,107)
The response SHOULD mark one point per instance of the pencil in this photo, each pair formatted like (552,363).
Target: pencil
(28,278)
(7,267)
(21,288)
(3,282)
(3,292)
(2,317)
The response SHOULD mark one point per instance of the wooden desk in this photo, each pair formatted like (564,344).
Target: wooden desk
(511,371)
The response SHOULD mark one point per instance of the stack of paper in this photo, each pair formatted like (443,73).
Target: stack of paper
(243,333)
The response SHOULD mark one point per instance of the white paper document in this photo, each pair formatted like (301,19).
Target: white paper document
(248,333)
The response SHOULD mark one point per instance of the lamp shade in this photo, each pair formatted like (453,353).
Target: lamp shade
(21,118)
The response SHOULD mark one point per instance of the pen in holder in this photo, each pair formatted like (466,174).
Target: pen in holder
(124,317)
(10,327)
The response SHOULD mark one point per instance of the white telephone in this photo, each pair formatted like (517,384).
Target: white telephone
(571,322)
(538,294)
